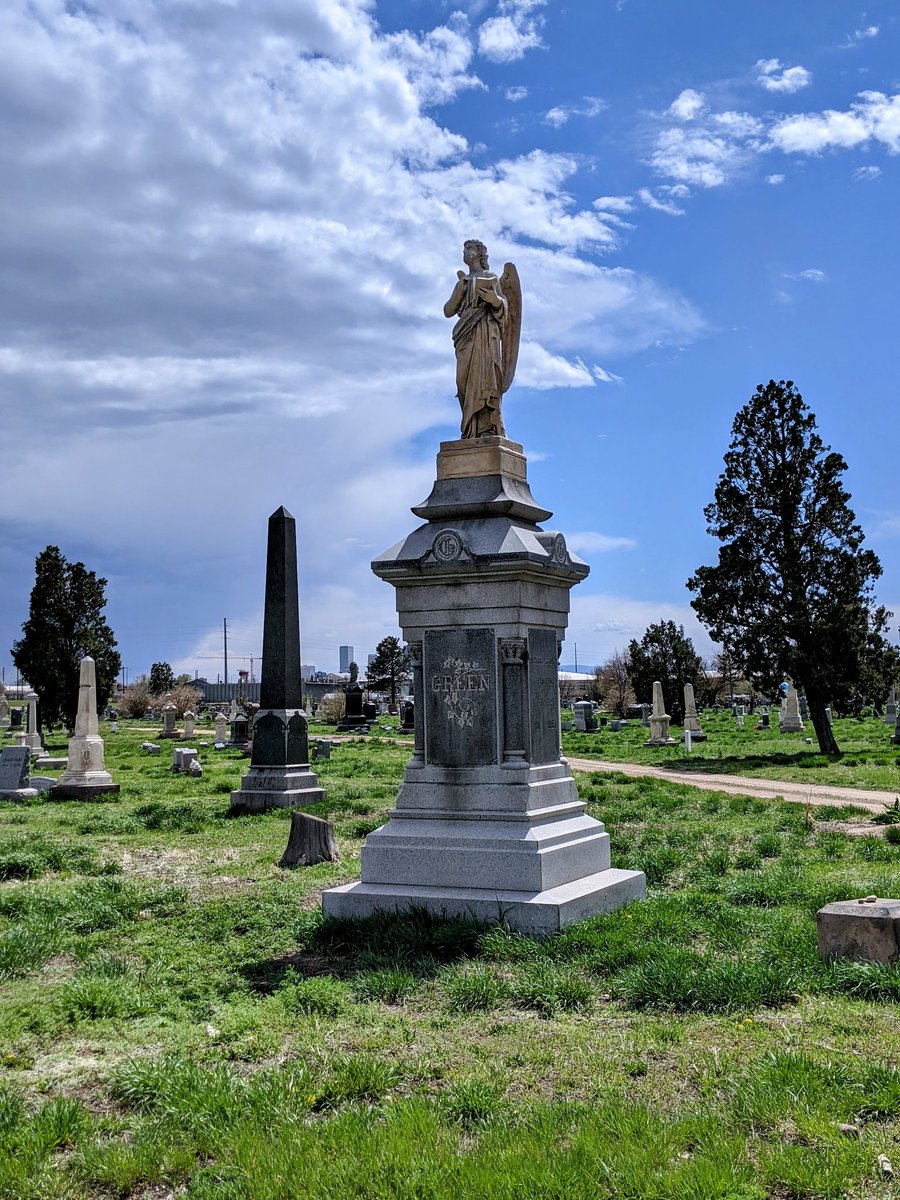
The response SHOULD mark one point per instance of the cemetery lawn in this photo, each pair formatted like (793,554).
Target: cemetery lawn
(176,1019)
(867,759)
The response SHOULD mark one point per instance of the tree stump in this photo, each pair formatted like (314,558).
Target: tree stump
(311,841)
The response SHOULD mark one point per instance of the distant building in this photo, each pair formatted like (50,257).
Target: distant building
(370,659)
(307,670)
(346,658)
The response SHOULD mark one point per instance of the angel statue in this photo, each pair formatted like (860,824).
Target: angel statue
(485,338)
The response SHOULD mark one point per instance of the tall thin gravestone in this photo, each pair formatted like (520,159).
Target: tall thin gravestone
(32,737)
(4,712)
(86,775)
(691,720)
(279,775)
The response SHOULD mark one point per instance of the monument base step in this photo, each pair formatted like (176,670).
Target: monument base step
(536,913)
(81,791)
(50,764)
(260,801)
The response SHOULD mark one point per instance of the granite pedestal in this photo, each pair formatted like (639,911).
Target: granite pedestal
(86,775)
(487,823)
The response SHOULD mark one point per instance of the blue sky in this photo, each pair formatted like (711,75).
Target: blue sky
(229,229)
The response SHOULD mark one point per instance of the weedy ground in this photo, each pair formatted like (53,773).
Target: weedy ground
(867,757)
(176,1018)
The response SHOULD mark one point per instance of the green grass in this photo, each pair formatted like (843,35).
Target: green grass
(177,1017)
(867,758)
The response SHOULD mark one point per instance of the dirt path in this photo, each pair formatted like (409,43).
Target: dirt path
(819,795)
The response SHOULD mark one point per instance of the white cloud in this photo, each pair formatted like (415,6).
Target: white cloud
(867,173)
(231,242)
(515,94)
(862,35)
(814,275)
(605,376)
(709,150)
(774,180)
(590,542)
(658,202)
(873,117)
(515,30)
(687,105)
(602,623)
(561,113)
(774,77)
(616,204)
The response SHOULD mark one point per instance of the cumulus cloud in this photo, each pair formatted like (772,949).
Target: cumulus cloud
(663,199)
(873,117)
(687,105)
(515,94)
(226,245)
(774,180)
(514,31)
(774,77)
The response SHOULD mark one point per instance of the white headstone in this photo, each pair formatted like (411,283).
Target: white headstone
(86,773)
(221,727)
(791,721)
(659,720)
(189,719)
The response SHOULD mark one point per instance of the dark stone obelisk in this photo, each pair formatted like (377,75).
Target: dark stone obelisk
(279,775)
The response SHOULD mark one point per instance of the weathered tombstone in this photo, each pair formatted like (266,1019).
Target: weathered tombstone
(645,715)
(169,714)
(407,715)
(4,712)
(691,720)
(279,775)
(323,750)
(86,775)
(150,747)
(32,737)
(765,721)
(866,930)
(189,719)
(221,727)
(14,763)
(659,720)
(804,708)
(240,731)
(615,725)
(232,710)
(354,719)
(193,767)
(791,721)
(15,718)
(370,710)
(465,838)
(890,709)
(583,712)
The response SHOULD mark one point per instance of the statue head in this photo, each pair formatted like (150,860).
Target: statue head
(480,248)
(354,672)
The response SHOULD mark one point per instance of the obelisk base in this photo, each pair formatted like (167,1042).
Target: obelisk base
(536,913)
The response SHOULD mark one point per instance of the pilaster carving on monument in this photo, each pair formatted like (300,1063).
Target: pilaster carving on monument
(414,650)
(512,659)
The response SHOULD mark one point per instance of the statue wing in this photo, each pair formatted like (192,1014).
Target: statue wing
(512,291)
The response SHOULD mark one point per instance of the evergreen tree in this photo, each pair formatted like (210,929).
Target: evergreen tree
(65,622)
(162,678)
(667,654)
(791,594)
(389,668)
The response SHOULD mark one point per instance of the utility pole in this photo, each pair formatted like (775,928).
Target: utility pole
(225,639)
(575,644)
